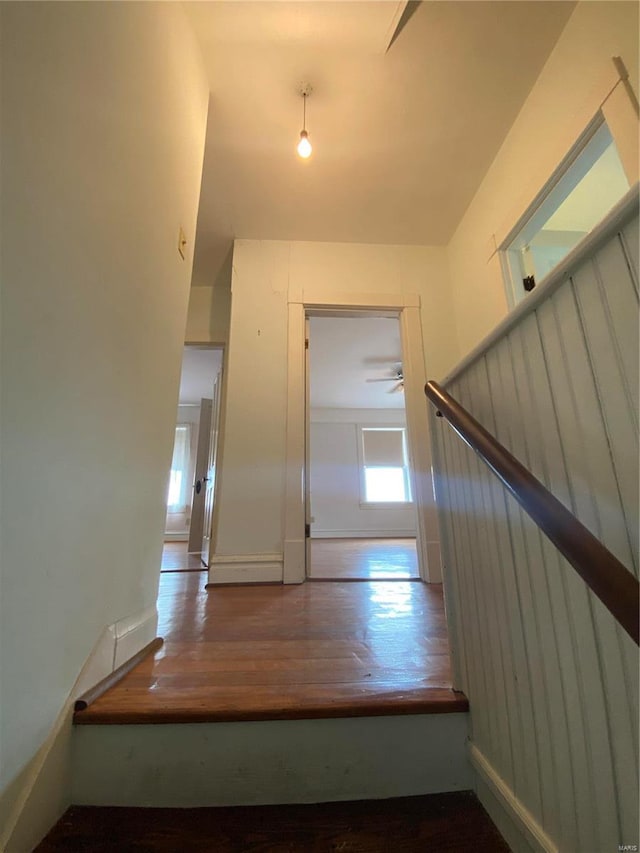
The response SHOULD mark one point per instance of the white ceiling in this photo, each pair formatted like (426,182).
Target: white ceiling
(345,352)
(401,138)
(199,368)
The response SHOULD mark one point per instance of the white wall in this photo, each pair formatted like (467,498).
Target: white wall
(210,309)
(252,488)
(567,93)
(335,477)
(103,120)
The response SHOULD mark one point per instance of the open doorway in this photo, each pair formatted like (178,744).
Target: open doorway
(191,488)
(360,504)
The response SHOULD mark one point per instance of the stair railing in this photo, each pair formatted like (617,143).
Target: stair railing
(604,574)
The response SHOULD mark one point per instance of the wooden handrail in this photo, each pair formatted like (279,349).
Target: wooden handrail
(604,574)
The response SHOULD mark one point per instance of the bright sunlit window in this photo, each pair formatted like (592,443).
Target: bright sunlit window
(582,196)
(385,472)
(178,493)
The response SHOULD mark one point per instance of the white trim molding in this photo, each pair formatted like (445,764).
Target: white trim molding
(36,799)
(134,633)
(619,111)
(520,817)
(617,217)
(363,534)
(246,568)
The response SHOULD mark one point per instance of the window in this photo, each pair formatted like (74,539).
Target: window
(591,183)
(178,493)
(384,468)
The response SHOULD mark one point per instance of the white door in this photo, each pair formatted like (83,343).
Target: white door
(210,478)
(201,468)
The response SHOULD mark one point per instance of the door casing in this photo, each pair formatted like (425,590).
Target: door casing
(407,308)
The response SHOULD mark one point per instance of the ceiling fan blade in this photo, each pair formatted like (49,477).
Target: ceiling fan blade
(411,7)
(396,388)
(387,379)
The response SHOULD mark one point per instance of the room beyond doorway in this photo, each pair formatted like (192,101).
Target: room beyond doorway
(360,508)
(364,559)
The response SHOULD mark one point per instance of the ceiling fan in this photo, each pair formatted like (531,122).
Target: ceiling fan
(398,378)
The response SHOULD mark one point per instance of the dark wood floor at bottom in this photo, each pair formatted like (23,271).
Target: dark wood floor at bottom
(443,823)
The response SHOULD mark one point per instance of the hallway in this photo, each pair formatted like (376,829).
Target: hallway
(277,652)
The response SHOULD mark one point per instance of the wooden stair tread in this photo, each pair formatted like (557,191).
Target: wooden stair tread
(444,822)
(193,706)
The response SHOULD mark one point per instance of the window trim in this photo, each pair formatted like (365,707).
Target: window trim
(538,209)
(364,503)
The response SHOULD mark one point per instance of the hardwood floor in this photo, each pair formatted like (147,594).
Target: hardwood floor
(278,652)
(363,559)
(442,823)
(175,558)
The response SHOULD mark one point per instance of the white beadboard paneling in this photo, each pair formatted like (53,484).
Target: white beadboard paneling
(535,402)
(551,678)
(486,554)
(451,582)
(609,318)
(630,238)
(526,770)
(531,608)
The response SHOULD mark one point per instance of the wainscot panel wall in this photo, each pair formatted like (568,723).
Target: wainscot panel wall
(551,678)
(335,477)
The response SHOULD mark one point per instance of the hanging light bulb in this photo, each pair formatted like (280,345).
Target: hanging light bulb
(304,146)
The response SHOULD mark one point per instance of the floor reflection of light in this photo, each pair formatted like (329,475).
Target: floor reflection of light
(389,565)
(393,599)
(386,575)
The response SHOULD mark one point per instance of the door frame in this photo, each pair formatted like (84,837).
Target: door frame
(407,308)
(212,463)
(195,534)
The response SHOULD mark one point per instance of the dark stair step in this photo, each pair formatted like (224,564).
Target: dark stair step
(443,823)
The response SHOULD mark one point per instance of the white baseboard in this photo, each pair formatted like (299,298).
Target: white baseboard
(295,555)
(134,633)
(246,568)
(362,534)
(40,794)
(521,830)
(34,801)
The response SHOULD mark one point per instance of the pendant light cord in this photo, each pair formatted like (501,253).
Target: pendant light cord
(304,110)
